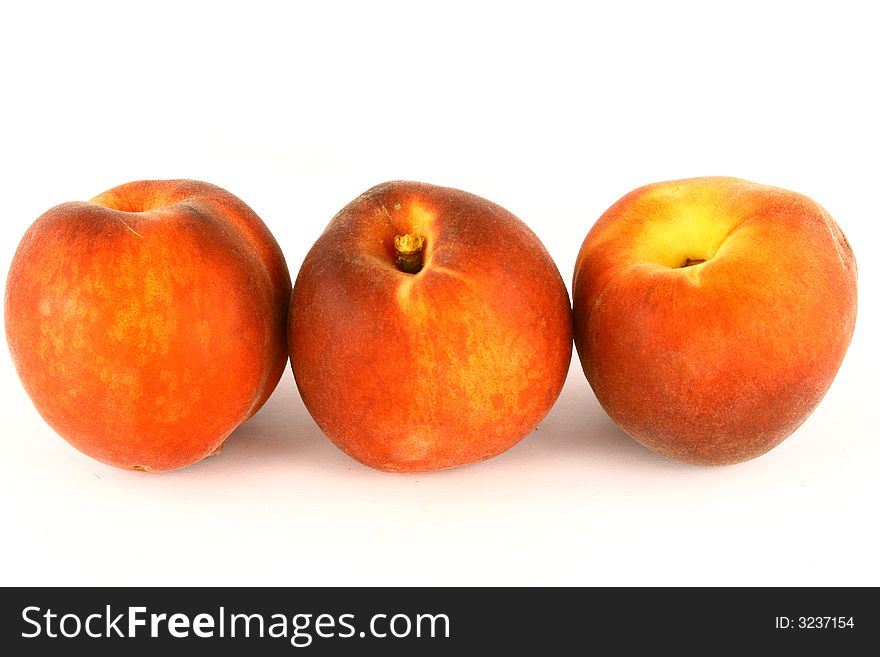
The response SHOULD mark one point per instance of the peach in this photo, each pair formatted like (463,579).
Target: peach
(429,328)
(711,315)
(150,322)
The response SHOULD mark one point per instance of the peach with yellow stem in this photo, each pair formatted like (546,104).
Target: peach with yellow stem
(429,328)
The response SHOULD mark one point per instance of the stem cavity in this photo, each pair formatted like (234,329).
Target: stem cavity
(409,253)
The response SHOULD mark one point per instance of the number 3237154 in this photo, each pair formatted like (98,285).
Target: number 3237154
(815,622)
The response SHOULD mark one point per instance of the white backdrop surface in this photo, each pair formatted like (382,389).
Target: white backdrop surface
(553,110)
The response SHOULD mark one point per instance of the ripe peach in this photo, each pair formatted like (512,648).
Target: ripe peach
(148,323)
(712,314)
(429,328)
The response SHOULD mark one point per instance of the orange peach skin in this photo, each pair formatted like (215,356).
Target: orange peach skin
(713,362)
(148,323)
(444,367)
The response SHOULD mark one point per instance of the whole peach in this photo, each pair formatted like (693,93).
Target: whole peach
(148,323)
(712,314)
(429,328)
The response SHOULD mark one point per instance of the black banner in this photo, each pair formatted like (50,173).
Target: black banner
(277,621)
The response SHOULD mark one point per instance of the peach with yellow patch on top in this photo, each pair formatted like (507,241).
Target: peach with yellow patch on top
(429,328)
(712,314)
(148,323)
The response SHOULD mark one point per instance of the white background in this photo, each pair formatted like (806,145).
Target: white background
(553,110)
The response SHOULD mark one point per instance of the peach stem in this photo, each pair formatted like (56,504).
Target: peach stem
(690,262)
(408,252)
